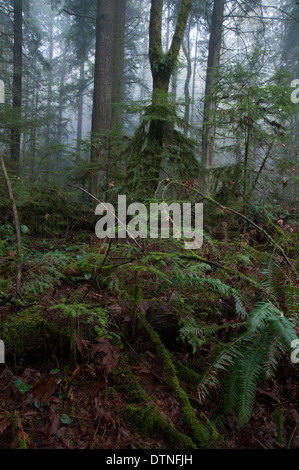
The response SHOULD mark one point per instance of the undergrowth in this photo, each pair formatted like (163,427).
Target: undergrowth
(232,308)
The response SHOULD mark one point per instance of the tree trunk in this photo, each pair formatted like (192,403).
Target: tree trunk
(209,127)
(80,105)
(61,109)
(162,68)
(61,96)
(50,82)
(103,84)
(118,65)
(174,87)
(187,53)
(17,82)
(193,84)
(162,65)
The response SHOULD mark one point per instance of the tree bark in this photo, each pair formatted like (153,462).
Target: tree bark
(194,83)
(103,84)
(61,96)
(209,127)
(80,105)
(162,68)
(118,65)
(17,82)
(187,53)
(162,65)
(50,81)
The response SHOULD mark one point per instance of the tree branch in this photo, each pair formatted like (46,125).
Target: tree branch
(71,13)
(178,36)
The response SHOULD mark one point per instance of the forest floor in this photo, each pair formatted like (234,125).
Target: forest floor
(76,346)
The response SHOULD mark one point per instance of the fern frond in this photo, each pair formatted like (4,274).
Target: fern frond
(197,334)
(271,360)
(250,371)
(283,330)
(262,312)
(230,387)
(225,360)
(280,327)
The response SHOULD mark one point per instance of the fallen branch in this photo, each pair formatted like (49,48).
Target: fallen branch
(9,299)
(17,228)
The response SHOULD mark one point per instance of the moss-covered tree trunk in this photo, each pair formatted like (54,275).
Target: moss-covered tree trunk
(162,67)
(209,127)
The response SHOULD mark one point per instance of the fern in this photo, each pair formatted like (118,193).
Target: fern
(252,356)
(198,334)
(250,371)
(260,314)
(224,361)
(267,315)
(225,290)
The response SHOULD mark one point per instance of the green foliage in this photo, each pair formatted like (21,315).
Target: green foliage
(251,357)
(197,334)
(84,320)
(173,153)
(216,284)
(254,116)
(65,419)
(22,386)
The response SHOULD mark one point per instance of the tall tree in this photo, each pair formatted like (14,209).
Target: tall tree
(80,103)
(103,84)
(50,80)
(162,68)
(187,53)
(17,81)
(211,80)
(118,64)
(163,65)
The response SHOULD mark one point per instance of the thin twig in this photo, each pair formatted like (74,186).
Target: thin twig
(228,209)
(262,166)
(17,228)
(121,223)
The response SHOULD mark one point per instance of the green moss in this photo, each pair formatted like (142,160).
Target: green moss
(150,422)
(200,432)
(22,329)
(187,375)
(111,392)
(137,394)
(279,421)
(27,327)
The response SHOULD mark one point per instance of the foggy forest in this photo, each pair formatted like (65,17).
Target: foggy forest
(149,196)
